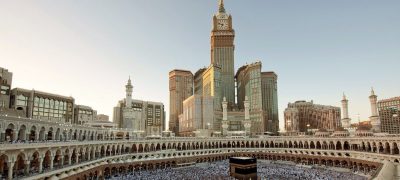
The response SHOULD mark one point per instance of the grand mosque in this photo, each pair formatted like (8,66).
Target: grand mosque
(47,136)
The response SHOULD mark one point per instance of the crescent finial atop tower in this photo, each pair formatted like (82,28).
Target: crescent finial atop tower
(221,6)
(372,91)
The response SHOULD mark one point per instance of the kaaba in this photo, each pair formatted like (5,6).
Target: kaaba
(243,168)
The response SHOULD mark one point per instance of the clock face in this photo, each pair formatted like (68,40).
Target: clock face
(222,25)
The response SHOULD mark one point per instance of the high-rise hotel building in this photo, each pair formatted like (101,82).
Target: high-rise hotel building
(180,88)
(303,116)
(389,114)
(269,91)
(218,82)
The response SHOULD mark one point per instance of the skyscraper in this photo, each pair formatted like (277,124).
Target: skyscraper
(215,85)
(180,88)
(389,114)
(248,79)
(303,116)
(222,51)
(269,91)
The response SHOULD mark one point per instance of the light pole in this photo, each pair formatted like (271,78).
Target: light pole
(308,129)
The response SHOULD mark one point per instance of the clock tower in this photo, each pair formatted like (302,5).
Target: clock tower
(222,51)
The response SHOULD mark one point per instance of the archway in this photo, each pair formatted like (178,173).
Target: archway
(3,165)
(32,134)
(34,165)
(50,134)
(19,165)
(9,134)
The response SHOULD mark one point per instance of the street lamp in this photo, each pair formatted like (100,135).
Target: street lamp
(308,129)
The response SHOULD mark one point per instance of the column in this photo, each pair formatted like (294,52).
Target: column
(2,136)
(77,158)
(27,166)
(89,154)
(51,161)
(62,161)
(36,136)
(40,164)
(70,158)
(27,135)
(15,134)
(10,169)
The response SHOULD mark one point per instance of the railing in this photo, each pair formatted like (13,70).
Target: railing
(5,117)
(221,151)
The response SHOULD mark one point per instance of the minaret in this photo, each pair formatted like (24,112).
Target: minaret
(345,108)
(224,110)
(129,87)
(375,121)
(247,122)
(225,125)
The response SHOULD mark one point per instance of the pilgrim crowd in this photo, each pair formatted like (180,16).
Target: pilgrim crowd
(220,171)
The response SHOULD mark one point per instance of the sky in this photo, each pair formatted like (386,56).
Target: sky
(88,49)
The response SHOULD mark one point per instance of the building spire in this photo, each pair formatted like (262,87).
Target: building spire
(344,96)
(372,91)
(128,90)
(221,6)
(129,81)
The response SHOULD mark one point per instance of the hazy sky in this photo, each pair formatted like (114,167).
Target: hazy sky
(87,49)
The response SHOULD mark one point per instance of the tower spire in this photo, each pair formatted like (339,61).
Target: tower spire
(128,90)
(221,6)
(129,81)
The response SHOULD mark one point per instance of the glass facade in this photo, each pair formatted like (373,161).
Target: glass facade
(270,101)
(52,109)
(389,112)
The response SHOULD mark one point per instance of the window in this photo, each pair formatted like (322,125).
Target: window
(5,90)
(46,103)
(22,100)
